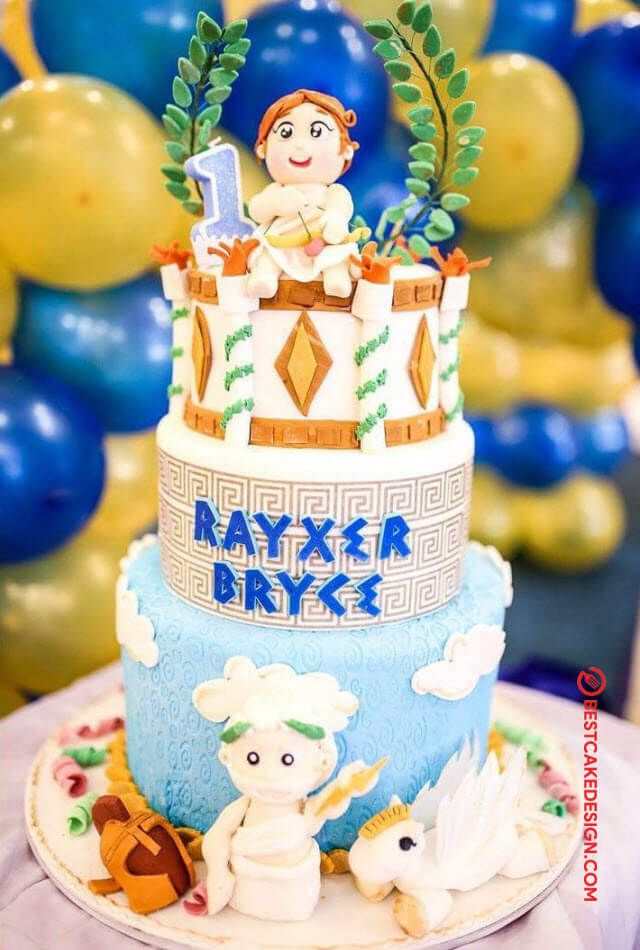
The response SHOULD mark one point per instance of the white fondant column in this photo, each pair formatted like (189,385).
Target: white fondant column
(455,297)
(236,307)
(174,288)
(372,306)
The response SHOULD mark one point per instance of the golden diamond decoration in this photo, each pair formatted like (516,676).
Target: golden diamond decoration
(303,363)
(421,362)
(201,352)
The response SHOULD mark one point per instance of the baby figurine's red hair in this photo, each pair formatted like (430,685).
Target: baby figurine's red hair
(345,118)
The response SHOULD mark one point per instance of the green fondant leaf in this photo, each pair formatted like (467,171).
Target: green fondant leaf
(453,201)
(470,135)
(381,29)
(403,253)
(176,151)
(466,156)
(177,189)
(211,114)
(172,127)
(420,114)
(458,83)
(463,112)
(445,64)
(188,71)
(423,131)
(422,18)
(218,94)
(234,31)
(234,732)
(432,41)
(207,28)
(417,187)
(418,245)
(408,202)
(174,172)
(306,729)
(423,170)
(179,116)
(231,60)
(242,47)
(181,92)
(197,52)
(423,152)
(222,77)
(204,135)
(193,207)
(397,69)
(464,176)
(442,222)
(406,11)
(407,91)
(388,49)
(395,214)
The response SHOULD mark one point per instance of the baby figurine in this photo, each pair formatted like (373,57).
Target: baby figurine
(303,216)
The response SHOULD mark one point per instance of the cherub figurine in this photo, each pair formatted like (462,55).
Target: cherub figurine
(303,216)
(278,746)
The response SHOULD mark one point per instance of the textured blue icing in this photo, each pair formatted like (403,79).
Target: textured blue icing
(172,750)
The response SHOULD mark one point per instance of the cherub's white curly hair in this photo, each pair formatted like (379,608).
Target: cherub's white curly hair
(267,697)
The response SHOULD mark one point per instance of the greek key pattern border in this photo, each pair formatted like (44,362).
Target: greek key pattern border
(435,506)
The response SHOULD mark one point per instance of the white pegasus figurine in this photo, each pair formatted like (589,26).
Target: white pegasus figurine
(279,747)
(478,833)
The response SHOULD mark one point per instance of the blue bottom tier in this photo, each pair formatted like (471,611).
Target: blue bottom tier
(173,751)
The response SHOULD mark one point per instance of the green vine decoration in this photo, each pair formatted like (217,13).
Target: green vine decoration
(205,75)
(174,389)
(235,409)
(242,333)
(179,313)
(411,47)
(371,346)
(453,333)
(370,421)
(238,372)
(371,385)
(452,368)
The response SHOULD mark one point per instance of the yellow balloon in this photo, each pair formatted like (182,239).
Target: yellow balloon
(238,9)
(10,699)
(8,302)
(16,38)
(494,513)
(81,194)
(591,13)
(532,142)
(490,370)
(129,505)
(575,527)
(539,276)
(57,613)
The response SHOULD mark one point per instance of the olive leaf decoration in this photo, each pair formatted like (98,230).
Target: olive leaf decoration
(202,84)
(443,157)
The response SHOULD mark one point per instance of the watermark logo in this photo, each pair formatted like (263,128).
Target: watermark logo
(592,681)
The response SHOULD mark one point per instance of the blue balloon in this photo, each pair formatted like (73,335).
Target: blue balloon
(604,75)
(113,345)
(541,28)
(9,75)
(51,464)
(535,446)
(135,45)
(485,442)
(312,45)
(604,441)
(636,347)
(617,259)
(376,180)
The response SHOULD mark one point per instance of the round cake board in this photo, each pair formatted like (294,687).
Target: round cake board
(343,918)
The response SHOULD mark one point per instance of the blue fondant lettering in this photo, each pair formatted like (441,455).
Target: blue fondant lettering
(256,591)
(206,519)
(326,593)
(273,530)
(393,531)
(239,532)
(225,582)
(316,542)
(295,589)
(368,587)
(352,532)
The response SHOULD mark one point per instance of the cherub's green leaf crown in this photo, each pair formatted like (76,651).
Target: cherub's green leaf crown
(203,83)
(411,47)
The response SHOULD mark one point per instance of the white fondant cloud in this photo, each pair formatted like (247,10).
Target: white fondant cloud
(268,695)
(503,567)
(467,657)
(133,630)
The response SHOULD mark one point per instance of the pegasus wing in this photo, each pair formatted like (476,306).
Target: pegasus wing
(425,806)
